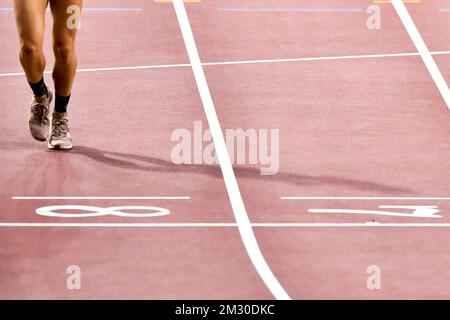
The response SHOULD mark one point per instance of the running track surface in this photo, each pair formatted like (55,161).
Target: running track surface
(355,133)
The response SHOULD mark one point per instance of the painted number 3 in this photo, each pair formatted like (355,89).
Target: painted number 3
(89,211)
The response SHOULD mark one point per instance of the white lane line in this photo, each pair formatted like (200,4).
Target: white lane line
(160,66)
(323,58)
(237,204)
(10,10)
(98,198)
(423,50)
(364,198)
(302,10)
(113,9)
(222,225)
(157,66)
(372,212)
(238,62)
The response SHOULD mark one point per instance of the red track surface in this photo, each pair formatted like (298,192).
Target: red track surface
(359,127)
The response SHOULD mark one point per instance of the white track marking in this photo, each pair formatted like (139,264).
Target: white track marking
(364,198)
(222,225)
(423,50)
(299,10)
(237,62)
(160,66)
(156,66)
(90,211)
(100,9)
(113,9)
(237,204)
(97,198)
(306,59)
(372,212)
(123,68)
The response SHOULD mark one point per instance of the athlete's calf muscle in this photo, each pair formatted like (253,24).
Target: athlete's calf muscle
(30,20)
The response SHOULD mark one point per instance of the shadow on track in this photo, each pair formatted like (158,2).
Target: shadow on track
(149,164)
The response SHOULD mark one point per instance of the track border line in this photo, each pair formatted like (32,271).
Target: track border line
(240,213)
(99,198)
(361,198)
(221,225)
(239,62)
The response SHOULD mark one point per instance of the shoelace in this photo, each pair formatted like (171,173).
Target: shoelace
(40,111)
(59,129)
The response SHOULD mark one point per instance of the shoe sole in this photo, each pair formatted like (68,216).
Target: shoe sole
(33,134)
(36,137)
(59,147)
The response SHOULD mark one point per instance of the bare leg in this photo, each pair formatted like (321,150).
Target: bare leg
(30,20)
(64,33)
(64,46)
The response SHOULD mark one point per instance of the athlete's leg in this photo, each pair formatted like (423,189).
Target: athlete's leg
(65,24)
(64,33)
(30,20)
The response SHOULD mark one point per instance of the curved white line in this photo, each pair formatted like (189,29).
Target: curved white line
(51,211)
(237,204)
(158,212)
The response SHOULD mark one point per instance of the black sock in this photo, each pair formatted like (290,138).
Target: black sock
(39,88)
(61,103)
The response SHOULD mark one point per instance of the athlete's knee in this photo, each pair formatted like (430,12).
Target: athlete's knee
(64,51)
(30,50)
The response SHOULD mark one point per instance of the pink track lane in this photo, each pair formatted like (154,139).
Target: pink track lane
(122,123)
(345,129)
(122,145)
(361,128)
(229,36)
(127,264)
(433,22)
(331,263)
(434,25)
(365,127)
